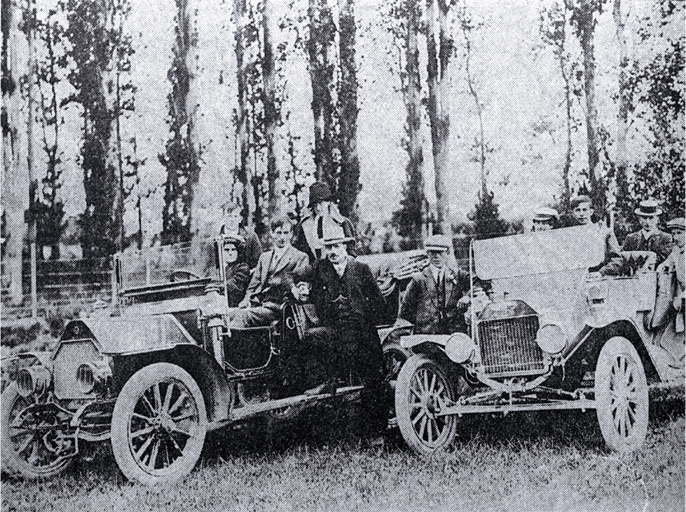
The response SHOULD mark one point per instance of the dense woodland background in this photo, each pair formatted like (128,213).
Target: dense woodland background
(127,123)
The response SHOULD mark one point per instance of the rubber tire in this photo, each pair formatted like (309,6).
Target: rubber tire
(415,365)
(401,355)
(12,464)
(623,440)
(126,402)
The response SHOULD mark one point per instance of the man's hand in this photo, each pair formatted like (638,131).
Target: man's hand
(301,291)
(245,303)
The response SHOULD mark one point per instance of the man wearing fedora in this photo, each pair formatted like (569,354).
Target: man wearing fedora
(349,301)
(269,284)
(432,299)
(322,215)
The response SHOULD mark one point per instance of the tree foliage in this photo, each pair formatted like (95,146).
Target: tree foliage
(486,217)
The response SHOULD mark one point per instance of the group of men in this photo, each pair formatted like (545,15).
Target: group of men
(316,265)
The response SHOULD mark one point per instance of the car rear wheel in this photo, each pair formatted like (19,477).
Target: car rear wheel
(158,425)
(394,357)
(33,444)
(621,395)
(422,391)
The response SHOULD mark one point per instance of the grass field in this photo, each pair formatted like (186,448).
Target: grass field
(528,462)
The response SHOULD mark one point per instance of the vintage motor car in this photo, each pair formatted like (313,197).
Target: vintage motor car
(156,374)
(552,337)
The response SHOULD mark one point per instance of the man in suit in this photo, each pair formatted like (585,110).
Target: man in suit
(269,284)
(349,301)
(649,238)
(432,299)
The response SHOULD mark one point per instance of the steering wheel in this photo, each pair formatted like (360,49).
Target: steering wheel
(182,275)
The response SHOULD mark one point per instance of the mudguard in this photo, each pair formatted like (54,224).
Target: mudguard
(413,340)
(131,335)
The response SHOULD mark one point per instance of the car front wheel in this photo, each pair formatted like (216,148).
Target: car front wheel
(421,392)
(621,395)
(158,425)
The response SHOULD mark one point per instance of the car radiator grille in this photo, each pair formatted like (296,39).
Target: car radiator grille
(508,346)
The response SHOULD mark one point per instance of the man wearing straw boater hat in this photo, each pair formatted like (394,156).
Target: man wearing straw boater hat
(649,238)
(349,301)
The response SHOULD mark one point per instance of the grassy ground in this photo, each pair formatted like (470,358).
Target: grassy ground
(542,462)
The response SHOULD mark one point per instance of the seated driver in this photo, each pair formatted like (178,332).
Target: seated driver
(269,285)
(433,299)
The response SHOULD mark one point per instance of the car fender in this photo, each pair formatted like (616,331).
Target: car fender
(130,335)
(414,340)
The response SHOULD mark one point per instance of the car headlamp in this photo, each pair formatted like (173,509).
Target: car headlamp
(33,380)
(551,338)
(460,348)
(93,376)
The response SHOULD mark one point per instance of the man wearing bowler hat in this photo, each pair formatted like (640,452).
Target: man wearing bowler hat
(322,216)
(349,301)
(432,299)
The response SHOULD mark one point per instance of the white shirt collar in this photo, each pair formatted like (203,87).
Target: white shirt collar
(340,267)
(437,272)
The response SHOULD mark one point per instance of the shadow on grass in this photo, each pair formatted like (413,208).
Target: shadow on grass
(327,427)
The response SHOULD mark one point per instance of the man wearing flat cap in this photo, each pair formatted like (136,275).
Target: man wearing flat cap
(432,299)
(322,215)
(545,219)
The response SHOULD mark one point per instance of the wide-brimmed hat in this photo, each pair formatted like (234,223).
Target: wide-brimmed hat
(648,208)
(236,240)
(677,223)
(334,234)
(545,214)
(437,243)
(319,191)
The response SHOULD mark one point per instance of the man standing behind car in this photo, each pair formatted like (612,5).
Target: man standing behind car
(349,301)
(432,299)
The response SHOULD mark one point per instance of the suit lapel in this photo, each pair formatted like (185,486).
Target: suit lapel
(265,267)
(448,278)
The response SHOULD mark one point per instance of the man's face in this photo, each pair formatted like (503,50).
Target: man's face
(678,237)
(232,220)
(648,223)
(321,207)
(582,213)
(437,258)
(542,225)
(230,253)
(281,236)
(336,252)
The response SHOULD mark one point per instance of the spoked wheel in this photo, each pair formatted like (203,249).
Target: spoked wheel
(394,357)
(421,393)
(158,425)
(621,395)
(33,445)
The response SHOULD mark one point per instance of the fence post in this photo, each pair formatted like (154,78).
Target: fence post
(113,282)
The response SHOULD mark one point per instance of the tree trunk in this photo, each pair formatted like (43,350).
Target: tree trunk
(439,117)
(414,118)
(241,112)
(15,184)
(193,136)
(622,187)
(586,29)
(322,33)
(271,119)
(349,181)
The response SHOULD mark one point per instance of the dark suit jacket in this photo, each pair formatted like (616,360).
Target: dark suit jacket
(237,277)
(420,305)
(270,281)
(659,242)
